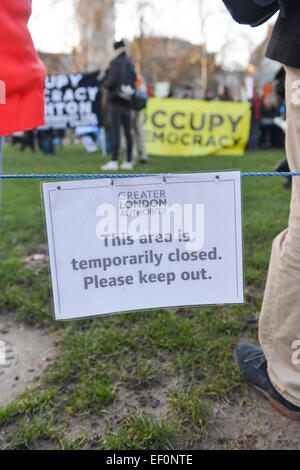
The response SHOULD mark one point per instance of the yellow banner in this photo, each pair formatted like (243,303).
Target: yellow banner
(179,127)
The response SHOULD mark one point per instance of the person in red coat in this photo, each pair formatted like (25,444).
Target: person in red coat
(22,74)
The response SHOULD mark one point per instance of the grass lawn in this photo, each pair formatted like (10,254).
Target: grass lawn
(185,354)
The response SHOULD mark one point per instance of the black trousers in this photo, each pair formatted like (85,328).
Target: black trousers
(120,116)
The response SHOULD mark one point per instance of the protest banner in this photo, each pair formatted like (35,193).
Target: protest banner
(177,127)
(146,242)
(72,100)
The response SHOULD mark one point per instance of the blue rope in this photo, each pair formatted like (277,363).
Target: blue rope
(275,173)
(73,176)
(70,176)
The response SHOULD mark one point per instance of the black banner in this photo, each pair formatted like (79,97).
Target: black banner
(72,100)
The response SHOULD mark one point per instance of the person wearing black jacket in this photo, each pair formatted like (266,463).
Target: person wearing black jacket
(283,165)
(119,104)
(274,369)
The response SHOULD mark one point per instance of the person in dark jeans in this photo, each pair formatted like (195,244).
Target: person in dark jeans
(45,140)
(283,165)
(268,112)
(119,80)
(121,117)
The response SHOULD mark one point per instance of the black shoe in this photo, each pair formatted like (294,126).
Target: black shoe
(282,166)
(287,182)
(253,365)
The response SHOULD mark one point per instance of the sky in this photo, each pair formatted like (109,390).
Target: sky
(53,30)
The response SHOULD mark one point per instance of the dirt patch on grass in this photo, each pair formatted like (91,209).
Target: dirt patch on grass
(26,352)
(246,422)
(249,422)
(152,400)
(37,258)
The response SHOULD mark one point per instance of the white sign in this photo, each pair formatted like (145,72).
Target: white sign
(144,242)
(89,144)
(162,89)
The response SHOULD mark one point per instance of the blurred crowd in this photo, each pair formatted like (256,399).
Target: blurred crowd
(46,140)
(267,116)
(266,108)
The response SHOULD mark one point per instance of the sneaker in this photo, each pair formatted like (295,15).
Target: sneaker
(282,166)
(253,365)
(112,165)
(280,122)
(287,184)
(126,166)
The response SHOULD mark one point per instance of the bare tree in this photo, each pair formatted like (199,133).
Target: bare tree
(95,24)
(140,11)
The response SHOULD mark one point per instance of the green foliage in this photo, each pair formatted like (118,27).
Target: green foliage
(190,407)
(141,431)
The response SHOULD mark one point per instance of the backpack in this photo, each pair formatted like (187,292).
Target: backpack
(139,101)
(253,12)
(125,89)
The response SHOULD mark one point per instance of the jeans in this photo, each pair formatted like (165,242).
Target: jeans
(120,115)
(139,137)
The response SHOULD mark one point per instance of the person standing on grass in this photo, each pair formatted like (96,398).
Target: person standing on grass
(275,368)
(255,101)
(120,79)
(139,144)
(268,113)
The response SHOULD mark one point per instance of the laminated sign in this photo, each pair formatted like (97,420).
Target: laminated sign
(144,242)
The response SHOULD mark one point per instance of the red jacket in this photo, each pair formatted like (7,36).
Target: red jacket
(22,74)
